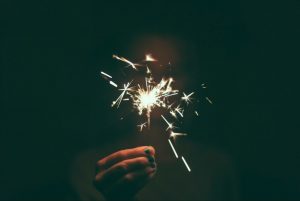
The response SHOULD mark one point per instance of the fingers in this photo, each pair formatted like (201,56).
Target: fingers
(125,172)
(129,184)
(123,155)
(118,170)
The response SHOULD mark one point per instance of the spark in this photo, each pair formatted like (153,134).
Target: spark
(173,113)
(120,98)
(149,58)
(175,135)
(170,125)
(170,106)
(196,113)
(176,155)
(179,110)
(113,84)
(105,74)
(141,126)
(148,70)
(208,100)
(203,86)
(126,61)
(187,166)
(187,98)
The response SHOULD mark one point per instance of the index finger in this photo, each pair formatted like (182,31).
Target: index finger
(125,154)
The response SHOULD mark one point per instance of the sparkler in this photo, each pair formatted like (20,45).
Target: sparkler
(147,96)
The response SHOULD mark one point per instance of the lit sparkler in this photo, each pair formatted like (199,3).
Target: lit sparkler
(145,97)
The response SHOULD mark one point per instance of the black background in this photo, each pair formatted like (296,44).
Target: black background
(54,103)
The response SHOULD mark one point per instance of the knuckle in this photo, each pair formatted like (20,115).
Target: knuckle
(143,161)
(123,167)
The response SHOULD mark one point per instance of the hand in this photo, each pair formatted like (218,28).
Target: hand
(122,174)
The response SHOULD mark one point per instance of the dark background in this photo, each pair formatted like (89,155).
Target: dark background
(54,103)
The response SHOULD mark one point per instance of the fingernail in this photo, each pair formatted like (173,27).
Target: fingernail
(147,151)
(151,159)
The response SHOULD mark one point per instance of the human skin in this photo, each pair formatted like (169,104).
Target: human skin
(123,174)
